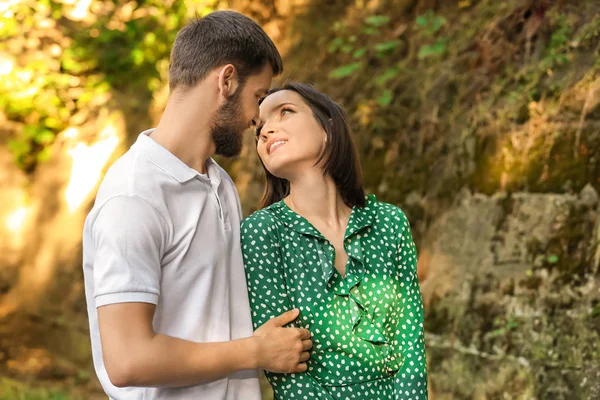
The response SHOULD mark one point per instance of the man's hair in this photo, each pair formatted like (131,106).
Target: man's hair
(220,38)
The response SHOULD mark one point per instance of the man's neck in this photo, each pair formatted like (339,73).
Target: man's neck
(185,128)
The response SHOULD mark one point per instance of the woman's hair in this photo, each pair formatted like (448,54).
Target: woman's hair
(339,159)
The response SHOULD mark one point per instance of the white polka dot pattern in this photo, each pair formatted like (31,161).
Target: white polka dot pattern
(367,327)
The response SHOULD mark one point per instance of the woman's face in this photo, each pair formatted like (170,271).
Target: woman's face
(290,137)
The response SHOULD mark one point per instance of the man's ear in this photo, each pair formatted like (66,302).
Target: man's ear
(228,80)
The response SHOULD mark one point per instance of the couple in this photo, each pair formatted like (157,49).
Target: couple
(330,272)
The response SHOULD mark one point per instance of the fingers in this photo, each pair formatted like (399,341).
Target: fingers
(302,367)
(304,333)
(304,356)
(307,345)
(285,318)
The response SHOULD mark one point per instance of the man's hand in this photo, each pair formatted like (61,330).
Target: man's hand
(283,349)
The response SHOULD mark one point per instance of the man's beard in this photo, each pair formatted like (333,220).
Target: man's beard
(228,127)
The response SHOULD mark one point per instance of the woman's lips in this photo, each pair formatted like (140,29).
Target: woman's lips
(276,145)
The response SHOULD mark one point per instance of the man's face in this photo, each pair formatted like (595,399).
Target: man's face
(237,114)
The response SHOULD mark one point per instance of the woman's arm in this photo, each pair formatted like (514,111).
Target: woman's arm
(269,297)
(411,379)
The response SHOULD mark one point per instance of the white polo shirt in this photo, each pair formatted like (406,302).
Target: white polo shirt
(162,233)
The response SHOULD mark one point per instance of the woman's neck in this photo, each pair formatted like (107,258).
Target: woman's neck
(317,199)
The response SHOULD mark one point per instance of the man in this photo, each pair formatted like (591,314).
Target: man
(164,280)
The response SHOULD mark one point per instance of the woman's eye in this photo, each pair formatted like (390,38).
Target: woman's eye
(285,111)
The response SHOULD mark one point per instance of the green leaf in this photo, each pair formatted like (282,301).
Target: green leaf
(432,50)
(137,55)
(359,52)
(377,20)
(386,76)
(347,48)
(386,98)
(512,324)
(345,70)
(335,45)
(52,122)
(150,38)
(367,30)
(430,22)
(422,21)
(30,131)
(44,155)
(19,147)
(44,137)
(386,46)
(436,24)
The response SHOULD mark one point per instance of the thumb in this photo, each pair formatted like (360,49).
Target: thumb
(285,318)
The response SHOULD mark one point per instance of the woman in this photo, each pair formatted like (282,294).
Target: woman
(347,261)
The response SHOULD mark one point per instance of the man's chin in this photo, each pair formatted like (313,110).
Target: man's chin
(230,151)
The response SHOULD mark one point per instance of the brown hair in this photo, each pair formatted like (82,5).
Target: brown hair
(221,37)
(339,159)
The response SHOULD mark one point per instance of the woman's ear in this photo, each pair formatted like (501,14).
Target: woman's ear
(228,80)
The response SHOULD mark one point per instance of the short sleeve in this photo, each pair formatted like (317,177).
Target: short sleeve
(128,236)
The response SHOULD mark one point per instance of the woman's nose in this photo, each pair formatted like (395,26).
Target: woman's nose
(267,129)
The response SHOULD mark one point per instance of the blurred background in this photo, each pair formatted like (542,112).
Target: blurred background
(480,118)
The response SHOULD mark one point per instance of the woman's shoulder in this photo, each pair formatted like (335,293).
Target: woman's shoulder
(261,220)
(387,213)
(386,210)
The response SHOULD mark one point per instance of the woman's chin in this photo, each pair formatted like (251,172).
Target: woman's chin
(278,170)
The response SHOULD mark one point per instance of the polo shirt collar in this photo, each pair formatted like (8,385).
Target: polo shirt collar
(169,163)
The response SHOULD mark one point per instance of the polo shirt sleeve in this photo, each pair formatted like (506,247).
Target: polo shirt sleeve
(129,238)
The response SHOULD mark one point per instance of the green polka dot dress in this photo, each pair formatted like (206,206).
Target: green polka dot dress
(367,327)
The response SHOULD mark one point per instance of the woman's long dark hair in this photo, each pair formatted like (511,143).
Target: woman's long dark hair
(339,159)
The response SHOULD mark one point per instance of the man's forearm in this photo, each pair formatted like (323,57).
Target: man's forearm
(167,361)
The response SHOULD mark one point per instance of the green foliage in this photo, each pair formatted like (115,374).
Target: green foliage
(390,73)
(358,53)
(429,25)
(350,45)
(12,390)
(504,326)
(377,20)
(335,44)
(557,51)
(385,99)
(83,63)
(435,49)
(345,70)
(387,46)
(590,32)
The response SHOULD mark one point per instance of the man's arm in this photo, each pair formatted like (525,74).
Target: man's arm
(129,237)
(135,356)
